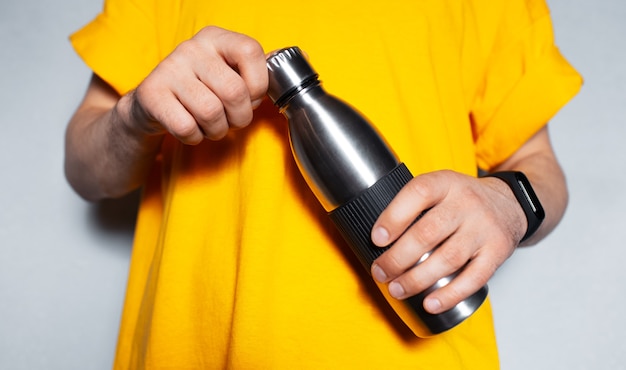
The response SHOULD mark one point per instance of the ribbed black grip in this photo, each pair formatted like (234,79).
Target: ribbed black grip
(356,218)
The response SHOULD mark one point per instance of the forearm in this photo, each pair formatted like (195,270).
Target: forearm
(206,86)
(104,156)
(538,162)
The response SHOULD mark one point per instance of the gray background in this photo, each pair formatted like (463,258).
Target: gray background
(63,262)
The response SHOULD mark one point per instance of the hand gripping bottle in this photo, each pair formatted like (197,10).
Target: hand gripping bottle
(353,173)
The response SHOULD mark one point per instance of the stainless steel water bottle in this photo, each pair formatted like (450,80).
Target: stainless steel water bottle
(352,172)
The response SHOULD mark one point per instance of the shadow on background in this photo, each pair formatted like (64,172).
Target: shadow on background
(115,217)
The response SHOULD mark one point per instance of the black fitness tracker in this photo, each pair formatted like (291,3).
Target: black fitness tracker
(518,182)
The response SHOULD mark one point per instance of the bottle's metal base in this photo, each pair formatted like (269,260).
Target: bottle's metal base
(355,220)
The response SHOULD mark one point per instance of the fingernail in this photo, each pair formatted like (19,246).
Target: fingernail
(379,274)
(432,305)
(396,290)
(380,236)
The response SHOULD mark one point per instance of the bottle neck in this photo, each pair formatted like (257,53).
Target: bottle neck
(306,84)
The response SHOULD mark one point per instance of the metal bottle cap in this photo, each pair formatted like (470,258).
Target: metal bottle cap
(288,69)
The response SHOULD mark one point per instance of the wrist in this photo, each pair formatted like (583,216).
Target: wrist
(135,136)
(526,198)
(134,119)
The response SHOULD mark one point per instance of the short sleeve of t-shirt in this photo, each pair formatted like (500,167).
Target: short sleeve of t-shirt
(119,45)
(527,81)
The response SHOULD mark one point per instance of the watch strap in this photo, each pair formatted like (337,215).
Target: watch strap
(526,197)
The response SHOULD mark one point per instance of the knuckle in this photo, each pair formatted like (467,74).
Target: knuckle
(184,129)
(414,283)
(240,121)
(210,29)
(391,263)
(420,189)
(211,112)
(250,48)
(210,32)
(216,131)
(149,92)
(394,264)
(425,236)
(426,233)
(453,257)
(184,49)
(235,91)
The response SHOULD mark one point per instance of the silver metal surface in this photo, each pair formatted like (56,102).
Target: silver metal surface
(338,152)
(342,157)
(288,70)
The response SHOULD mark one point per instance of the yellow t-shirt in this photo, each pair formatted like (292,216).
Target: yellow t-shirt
(235,264)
